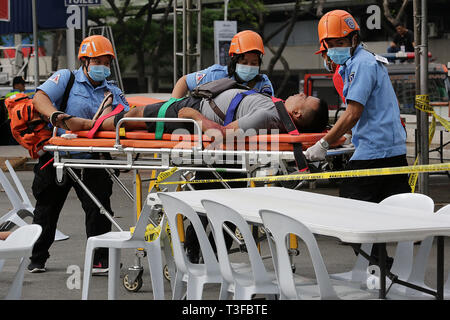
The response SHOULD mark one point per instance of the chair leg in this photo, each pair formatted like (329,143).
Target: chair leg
(271,296)
(15,292)
(421,261)
(170,262)
(241,294)
(224,294)
(194,289)
(156,269)
(88,260)
(178,286)
(113,273)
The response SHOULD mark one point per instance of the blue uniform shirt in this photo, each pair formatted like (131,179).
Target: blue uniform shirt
(84,100)
(216,72)
(378,133)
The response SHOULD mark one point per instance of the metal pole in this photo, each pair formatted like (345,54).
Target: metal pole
(199,34)
(417,41)
(70,45)
(175,43)
(83,21)
(189,36)
(184,38)
(36,45)
(424,156)
(225,14)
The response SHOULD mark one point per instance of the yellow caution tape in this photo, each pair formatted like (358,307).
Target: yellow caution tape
(151,232)
(423,104)
(331,174)
(163,176)
(27,93)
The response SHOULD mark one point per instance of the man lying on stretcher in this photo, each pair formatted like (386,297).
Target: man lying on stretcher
(255,111)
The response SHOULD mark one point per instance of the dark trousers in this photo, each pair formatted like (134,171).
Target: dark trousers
(376,188)
(50,198)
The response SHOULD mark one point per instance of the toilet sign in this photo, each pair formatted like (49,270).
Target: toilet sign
(83,3)
(223,33)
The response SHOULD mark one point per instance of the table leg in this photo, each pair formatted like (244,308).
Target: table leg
(382,265)
(440,268)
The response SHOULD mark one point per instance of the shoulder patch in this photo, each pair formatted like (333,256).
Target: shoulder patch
(199,76)
(55,78)
(351,77)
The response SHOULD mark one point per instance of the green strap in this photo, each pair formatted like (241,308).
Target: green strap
(162,114)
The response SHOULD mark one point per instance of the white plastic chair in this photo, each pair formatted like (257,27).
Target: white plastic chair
(256,280)
(445,210)
(117,240)
(22,206)
(19,244)
(195,276)
(403,259)
(417,275)
(279,226)
(404,253)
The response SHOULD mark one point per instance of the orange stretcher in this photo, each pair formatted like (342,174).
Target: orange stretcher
(140,101)
(144,139)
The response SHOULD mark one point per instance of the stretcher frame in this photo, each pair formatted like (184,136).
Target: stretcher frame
(191,159)
(188,161)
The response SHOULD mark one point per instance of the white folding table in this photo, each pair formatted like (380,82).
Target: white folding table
(349,220)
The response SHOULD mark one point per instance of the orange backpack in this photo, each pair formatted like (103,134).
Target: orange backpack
(27,127)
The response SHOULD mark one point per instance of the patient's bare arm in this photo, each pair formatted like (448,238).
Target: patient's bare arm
(80,124)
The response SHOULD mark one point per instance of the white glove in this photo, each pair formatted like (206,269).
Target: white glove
(316,152)
(348,139)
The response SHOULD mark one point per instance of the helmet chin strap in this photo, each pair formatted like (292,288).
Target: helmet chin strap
(86,65)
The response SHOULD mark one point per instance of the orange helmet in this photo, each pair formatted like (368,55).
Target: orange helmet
(246,41)
(95,46)
(336,24)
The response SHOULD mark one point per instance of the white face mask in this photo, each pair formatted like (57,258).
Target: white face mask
(246,72)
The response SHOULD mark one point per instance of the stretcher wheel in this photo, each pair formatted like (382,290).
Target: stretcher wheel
(261,230)
(238,234)
(166,272)
(132,287)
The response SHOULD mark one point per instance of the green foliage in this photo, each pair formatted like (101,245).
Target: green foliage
(129,37)
(208,18)
(246,13)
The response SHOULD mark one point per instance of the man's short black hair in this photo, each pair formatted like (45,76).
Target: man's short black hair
(398,24)
(17,80)
(319,121)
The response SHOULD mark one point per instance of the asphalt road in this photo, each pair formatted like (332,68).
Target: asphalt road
(62,281)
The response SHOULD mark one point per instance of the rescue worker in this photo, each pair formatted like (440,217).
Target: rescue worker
(338,83)
(87,93)
(246,51)
(372,113)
